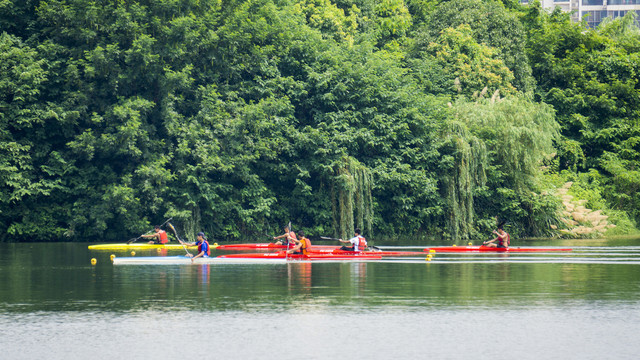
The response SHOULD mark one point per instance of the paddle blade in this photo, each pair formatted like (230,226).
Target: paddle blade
(132,240)
(174,231)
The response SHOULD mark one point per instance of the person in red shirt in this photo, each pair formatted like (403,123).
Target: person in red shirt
(159,235)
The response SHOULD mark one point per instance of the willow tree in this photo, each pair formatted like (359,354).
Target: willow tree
(464,172)
(518,135)
(352,203)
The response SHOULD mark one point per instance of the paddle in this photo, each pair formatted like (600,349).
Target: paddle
(178,237)
(286,252)
(140,237)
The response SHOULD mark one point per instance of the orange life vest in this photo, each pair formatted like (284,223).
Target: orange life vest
(305,244)
(362,243)
(163,237)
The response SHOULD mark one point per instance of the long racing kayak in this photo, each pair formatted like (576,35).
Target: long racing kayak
(267,246)
(136,246)
(312,256)
(483,248)
(261,258)
(183,260)
(258,246)
(314,250)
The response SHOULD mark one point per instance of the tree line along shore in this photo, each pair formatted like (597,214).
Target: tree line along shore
(404,118)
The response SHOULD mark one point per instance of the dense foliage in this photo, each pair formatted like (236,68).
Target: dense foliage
(404,118)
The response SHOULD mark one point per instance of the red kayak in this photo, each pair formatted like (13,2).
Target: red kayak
(266,246)
(483,248)
(371,253)
(261,246)
(316,256)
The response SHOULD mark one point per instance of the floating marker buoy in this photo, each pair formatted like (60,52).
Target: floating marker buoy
(159,249)
(112,257)
(454,245)
(470,244)
(133,253)
(428,258)
(94,261)
(432,251)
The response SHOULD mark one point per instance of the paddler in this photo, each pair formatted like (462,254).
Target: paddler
(302,246)
(203,246)
(502,239)
(358,242)
(288,234)
(160,236)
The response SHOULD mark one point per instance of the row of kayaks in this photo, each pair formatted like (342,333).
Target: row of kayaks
(272,253)
(325,249)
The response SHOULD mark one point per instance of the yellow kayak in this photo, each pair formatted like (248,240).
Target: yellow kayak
(136,246)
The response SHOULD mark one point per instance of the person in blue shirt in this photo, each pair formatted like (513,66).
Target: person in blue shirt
(203,247)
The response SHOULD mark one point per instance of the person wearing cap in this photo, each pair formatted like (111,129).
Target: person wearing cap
(159,235)
(203,246)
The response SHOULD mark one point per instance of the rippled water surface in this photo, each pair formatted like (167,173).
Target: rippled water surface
(583,304)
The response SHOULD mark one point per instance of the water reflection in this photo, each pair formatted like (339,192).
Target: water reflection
(300,277)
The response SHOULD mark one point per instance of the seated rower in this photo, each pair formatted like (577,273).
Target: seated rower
(302,246)
(358,242)
(203,247)
(288,234)
(159,235)
(503,239)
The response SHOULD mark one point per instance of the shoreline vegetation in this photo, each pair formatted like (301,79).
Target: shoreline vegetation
(404,118)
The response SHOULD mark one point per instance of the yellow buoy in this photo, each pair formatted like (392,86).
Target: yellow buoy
(470,244)
(454,245)
(159,249)
(428,258)
(112,257)
(133,253)
(432,251)
(94,261)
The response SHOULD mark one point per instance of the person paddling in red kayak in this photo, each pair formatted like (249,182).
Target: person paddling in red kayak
(203,247)
(502,238)
(160,236)
(288,234)
(358,242)
(302,246)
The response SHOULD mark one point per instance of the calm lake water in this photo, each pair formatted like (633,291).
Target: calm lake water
(580,305)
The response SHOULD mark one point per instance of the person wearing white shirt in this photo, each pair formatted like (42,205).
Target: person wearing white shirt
(358,242)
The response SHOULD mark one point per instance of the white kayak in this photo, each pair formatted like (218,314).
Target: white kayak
(184,260)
